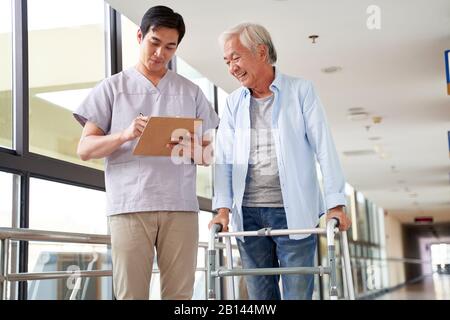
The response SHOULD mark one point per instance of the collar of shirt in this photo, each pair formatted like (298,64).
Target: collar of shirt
(275,85)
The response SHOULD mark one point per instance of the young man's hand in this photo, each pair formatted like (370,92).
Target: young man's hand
(135,129)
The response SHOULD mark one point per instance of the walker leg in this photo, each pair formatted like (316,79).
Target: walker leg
(347,266)
(230,280)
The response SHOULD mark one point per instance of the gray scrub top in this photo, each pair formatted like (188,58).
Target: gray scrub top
(142,183)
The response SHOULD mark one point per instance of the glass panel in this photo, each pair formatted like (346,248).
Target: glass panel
(130,45)
(362,223)
(221,100)
(204,217)
(6,199)
(66,59)
(61,207)
(51,257)
(350,210)
(5,74)
(190,73)
(204,174)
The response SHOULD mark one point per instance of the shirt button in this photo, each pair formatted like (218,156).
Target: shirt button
(153,91)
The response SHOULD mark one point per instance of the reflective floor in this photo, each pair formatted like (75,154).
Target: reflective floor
(434,287)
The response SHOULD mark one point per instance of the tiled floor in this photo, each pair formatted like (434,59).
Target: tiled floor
(435,287)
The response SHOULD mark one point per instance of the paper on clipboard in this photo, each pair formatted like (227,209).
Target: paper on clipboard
(159,131)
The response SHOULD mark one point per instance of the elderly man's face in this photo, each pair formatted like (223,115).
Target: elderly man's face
(242,63)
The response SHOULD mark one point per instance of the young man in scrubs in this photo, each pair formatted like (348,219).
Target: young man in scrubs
(151,201)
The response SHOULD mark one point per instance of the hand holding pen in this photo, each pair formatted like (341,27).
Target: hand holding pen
(135,129)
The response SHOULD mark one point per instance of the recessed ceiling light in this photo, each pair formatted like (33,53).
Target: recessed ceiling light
(358,153)
(331,69)
(350,110)
(357,116)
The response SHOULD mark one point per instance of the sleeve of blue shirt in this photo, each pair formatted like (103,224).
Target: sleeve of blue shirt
(223,194)
(320,138)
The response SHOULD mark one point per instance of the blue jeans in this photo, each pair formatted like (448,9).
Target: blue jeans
(274,252)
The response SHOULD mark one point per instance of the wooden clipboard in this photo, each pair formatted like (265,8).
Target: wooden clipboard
(159,131)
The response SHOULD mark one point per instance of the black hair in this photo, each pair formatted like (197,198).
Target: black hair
(161,16)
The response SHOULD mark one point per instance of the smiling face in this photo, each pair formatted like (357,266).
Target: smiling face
(157,48)
(245,65)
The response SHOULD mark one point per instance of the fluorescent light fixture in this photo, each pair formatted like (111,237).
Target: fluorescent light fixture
(68,99)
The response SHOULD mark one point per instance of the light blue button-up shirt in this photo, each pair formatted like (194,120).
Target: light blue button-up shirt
(301,136)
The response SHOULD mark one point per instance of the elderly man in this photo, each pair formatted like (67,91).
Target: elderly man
(271,132)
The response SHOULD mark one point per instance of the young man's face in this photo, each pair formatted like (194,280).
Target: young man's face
(242,63)
(157,48)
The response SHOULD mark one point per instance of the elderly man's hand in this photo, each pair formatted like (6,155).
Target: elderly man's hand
(222,217)
(339,213)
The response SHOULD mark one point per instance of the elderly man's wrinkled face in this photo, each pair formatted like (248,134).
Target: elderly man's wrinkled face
(242,63)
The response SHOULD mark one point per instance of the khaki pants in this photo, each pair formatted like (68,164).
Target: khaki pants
(133,238)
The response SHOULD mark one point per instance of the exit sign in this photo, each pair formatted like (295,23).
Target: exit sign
(423,220)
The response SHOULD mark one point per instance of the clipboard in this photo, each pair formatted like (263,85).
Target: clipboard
(158,132)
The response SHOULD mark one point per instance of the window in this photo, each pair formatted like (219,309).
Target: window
(221,100)
(60,207)
(6,74)
(66,59)
(51,257)
(362,223)
(7,190)
(130,45)
(204,174)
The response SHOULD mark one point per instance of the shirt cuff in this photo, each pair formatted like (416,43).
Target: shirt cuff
(222,202)
(334,200)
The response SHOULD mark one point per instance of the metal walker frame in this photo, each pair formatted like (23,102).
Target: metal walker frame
(330,231)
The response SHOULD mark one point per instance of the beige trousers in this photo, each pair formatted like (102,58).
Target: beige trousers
(133,238)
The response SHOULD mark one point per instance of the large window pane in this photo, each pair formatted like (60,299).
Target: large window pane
(221,100)
(204,174)
(60,207)
(51,257)
(66,59)
(6,199)
(130,45)
(189,72)
(362,223)
(5,74)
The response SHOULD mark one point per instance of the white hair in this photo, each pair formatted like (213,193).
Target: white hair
(251,35)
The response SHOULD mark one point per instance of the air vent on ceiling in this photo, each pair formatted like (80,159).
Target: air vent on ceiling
(353,153)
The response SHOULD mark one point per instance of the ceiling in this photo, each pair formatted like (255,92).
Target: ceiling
(396,72)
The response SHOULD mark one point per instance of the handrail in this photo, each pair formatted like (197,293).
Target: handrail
(20,234)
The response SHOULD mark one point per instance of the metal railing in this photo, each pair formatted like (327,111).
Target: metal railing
(17,234)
